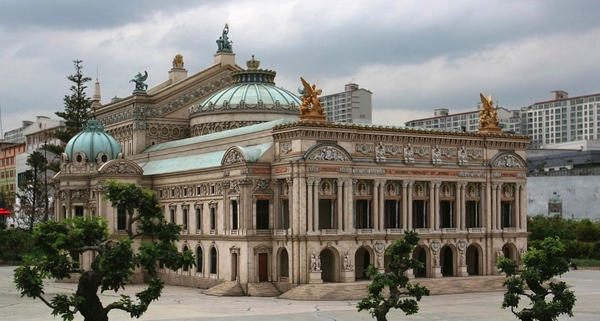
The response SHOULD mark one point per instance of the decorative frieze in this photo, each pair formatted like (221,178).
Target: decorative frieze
(328,153)
(285,148)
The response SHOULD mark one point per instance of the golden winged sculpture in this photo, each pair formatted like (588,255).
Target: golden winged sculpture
(488,118)
(311,108)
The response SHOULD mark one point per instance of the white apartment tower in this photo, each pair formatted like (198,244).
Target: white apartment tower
(562,119)
(353,105)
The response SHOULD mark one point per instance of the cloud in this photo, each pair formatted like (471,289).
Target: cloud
(413,55)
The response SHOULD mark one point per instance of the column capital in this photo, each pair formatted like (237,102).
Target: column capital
(496,185)
(313,180)
(436,183)
(380,181)
(462,184)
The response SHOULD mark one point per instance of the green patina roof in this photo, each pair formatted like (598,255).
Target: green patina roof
(251,94)
(220,135)
(92,140)
(200,161)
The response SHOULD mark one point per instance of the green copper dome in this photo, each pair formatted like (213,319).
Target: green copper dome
(94,142)
(254,89)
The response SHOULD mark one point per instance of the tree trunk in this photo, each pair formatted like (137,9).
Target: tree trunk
(91,308)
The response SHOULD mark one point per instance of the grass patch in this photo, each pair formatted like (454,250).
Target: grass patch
(586,262)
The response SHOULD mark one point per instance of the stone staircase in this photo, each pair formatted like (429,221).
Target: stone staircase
(358,290)
(263,289)
(229,288)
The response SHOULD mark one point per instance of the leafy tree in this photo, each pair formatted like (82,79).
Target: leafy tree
(541,264)
(401,291)
(114,259)
(31,190)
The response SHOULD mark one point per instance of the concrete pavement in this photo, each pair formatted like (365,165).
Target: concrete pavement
(181,303)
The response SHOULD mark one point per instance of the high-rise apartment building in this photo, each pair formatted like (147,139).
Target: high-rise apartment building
(353,105)
(562,119)
(467,121)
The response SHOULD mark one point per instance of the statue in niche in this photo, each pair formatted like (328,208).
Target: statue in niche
(409,154)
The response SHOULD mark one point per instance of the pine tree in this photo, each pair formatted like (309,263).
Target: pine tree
(78,107)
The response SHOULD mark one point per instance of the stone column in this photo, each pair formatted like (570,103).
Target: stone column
(463,207)
(349,204)
(339,206)
(404,206)
(409,214)
(431,213)
(493,197)
(316,204)
(489,212)
(498,206)
(457,205)
(517,216)
(309,203)
(437,206)
(382,205)
(523,204)
(375,206)
(276,204)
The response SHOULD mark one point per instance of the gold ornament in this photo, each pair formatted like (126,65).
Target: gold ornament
(311,108)
(488,118)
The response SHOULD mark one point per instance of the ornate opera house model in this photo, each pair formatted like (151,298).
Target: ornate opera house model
(267,191)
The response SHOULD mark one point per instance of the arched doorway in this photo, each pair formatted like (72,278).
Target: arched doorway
(283,265)
(200,260)
(473,260)
(509,251)
(362,260)
(420,255)
(447,261)
(213,260)
(328,265)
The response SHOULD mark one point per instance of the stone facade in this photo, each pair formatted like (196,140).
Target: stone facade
(325,200)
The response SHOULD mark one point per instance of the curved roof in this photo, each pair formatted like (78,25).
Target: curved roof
(92,141)
(252,94)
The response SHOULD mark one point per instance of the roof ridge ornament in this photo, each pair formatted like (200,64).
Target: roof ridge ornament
(311,108)
(488,117)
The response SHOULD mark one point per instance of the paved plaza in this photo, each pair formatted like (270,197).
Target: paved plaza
(181,303)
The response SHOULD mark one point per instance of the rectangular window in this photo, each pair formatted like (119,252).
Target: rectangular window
(392,214)
(199,218)
(362,210)
(285,214)
(185,219)
(472,214)
(172,215)
(326,214)
(419,214)
(78,210)
(213,218)
(506,210)
(121,219)
(234,215)
(262,214)
(446,214)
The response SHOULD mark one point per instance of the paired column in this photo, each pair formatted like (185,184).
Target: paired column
(409,214)
(463,206)
(315,220)
(437,206)
(375,206)
(340,205)
(349,203)
(523,209)
(431,215)
(309,203)
(517,207)
(405,206)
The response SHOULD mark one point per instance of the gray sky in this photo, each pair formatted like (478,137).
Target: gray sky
(413,55)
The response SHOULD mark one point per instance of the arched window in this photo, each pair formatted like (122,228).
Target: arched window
(185,219)
(213,260)
(121,219)
(200,258)
(185,267)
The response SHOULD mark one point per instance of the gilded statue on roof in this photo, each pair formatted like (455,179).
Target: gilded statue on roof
(311,108)
(488,118)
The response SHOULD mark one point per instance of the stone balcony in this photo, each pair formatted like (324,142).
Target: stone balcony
(476,229)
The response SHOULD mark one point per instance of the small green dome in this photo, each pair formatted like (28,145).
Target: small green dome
(94,142)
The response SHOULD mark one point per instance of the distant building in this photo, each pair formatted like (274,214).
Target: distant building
(510,120)
(36,135)
(562,119)
(16,135)
(564,181)
(8,153)
(353,105)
